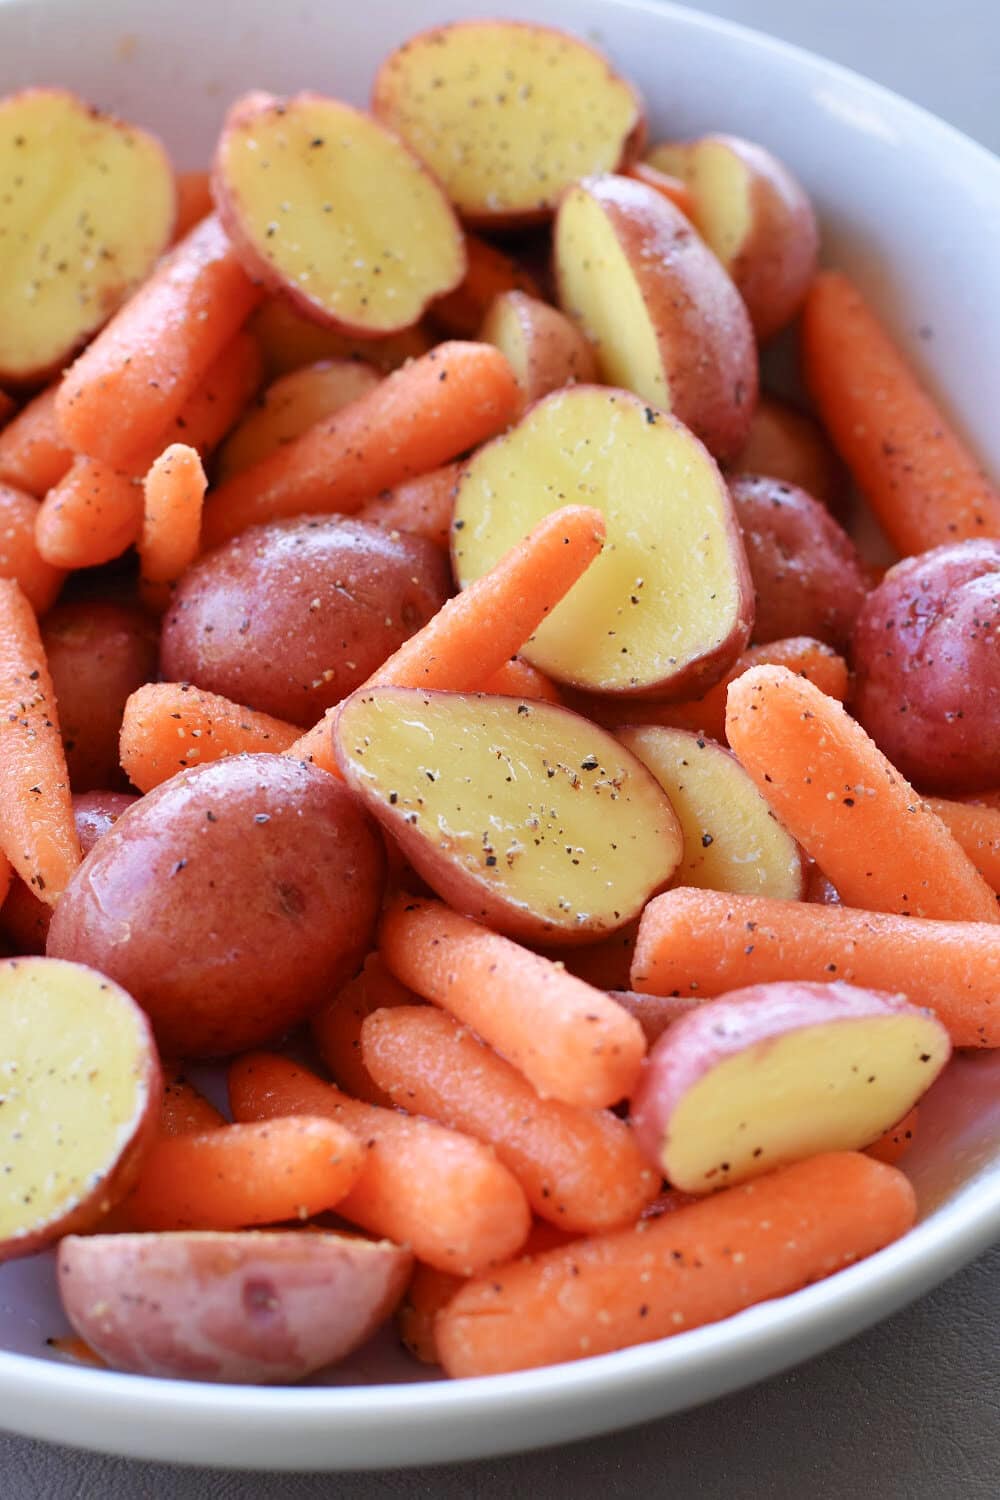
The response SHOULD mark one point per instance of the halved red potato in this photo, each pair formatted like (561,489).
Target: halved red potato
(774,1073)
(249,1306)
(655,1013)
(732,840)
(667,607)
(324,204)
(507,114)
(787,444)
(80,1087)
(546,351)
(288,340)
(522,815)
(757,218)
(289,406)
(665,319)
(88,204)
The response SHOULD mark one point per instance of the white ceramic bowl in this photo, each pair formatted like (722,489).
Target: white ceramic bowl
(909,207)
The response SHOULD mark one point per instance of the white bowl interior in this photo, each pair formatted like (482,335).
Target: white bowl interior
(912,210)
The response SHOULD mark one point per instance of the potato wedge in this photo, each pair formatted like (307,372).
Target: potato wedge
(89,204)
(533,109)
(757,218)
(522,815)
(291,404)
(252,1306)
(80,1086)
(325,205)
(774,1073)
(665,319)
(668,605)
(732,840)
(546,351)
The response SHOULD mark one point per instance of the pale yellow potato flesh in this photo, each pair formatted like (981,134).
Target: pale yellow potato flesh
(291,405)
(543,348)
(732,840)
(599,289)
(78,1078)
(832,1087)
(506,114)
(511,807)
(669,586)
(336,211)
(720,183)
(87,203)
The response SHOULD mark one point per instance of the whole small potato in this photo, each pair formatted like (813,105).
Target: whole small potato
(808,576)
(927,657)
(289,618)
(229,901)
(98,654)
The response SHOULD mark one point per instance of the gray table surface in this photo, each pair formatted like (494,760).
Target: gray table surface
(908,1411)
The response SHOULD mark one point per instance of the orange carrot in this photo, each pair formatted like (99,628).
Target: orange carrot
(421,506)
(919,477)
(37,830)
(290,406)
(519,679)
(214,405)
(242,1175)
(194,201)
(579,1168)
(184,1111)
(977,829)
(896,1141)
(800,654)
(174,490)
(442,1193)
(474,634)
(6,876)
(703,1263)
(655,1013)
(169,726)
(336,1028)
(129,384)
(667,185)
(570,1041)
(703,943)
(834,790)
(981,799)
(422,415)
(34,455)
(92,515)
(20,558)
(489,273)
(429,1291)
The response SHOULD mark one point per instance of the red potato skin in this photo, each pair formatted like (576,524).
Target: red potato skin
(786,444)
(291,617)
(807,573)
(555,351)
(926,651)
(655,1013)
(265,1307)
(229,901)
(708,1035)
(241,117)
(706,340)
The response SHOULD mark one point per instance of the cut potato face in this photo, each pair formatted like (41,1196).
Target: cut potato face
(665,320)
(732,840)
(545,350)
(289,406)
(329,207)
(80,1087)
(507,114)
(667,607)
(779,1072)
(521,815)
(88,203)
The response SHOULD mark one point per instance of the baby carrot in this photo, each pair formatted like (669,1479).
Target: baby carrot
(214,405)
(423,415)
(421,506)
(580,1168)
(489,272)
(20,558)
(173,493)
(570,1041)
(680,1271)
(194,201)
(811,659)
(37,830)
(168,726)
(834,790)
(919,477)
(34,455)
(240,1175)
(336,1028)
(704,943)
(129,384)
(416,1315)
(475,633)
(184,1111)
(92,515)
(442,1193)
(896,1141)
(977,829)
(519,679)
